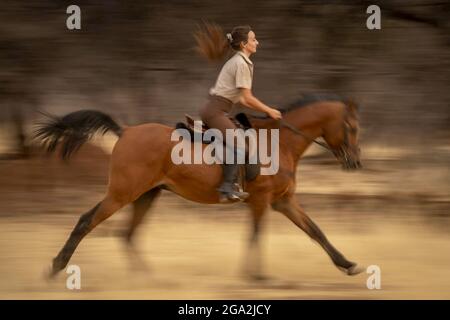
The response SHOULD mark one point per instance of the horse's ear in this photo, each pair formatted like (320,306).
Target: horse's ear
(352,105)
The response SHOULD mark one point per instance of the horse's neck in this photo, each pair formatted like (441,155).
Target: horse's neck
(294,145)
(308,120)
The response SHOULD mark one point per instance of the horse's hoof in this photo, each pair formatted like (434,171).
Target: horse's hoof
(140,267)
(49,274)
(259,277)
(354,270)
(256,277)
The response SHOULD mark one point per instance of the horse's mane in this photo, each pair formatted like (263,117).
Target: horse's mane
(306,100)
(310,98)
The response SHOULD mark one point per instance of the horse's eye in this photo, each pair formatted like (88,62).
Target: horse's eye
(352,130)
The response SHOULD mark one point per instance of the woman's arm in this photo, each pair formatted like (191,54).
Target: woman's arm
(249,100)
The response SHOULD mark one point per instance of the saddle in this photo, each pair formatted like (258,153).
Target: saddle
(240,120)
(248,172)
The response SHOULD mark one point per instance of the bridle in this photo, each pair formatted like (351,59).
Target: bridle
(297,131)
(340,152)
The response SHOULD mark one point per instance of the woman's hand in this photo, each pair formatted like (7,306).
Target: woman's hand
(248,100)
(274,114)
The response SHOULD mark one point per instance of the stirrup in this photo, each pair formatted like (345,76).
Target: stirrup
(233,196)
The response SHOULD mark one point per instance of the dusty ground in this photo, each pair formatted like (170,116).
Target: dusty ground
(392,215)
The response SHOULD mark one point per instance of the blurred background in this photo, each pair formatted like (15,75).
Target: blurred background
(136,61)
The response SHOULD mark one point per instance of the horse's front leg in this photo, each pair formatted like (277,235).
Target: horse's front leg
(291,209)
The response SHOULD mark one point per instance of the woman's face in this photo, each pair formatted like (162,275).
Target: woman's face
(251,44)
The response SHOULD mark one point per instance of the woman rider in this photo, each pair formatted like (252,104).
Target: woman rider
(233,85)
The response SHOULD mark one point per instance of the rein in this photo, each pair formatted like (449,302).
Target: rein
(341,151)
(295,130)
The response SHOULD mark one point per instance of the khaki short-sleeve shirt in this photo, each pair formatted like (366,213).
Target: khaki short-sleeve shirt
(236,73)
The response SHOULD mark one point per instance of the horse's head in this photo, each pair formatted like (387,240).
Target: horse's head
(342,136)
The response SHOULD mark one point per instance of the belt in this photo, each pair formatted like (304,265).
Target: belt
(214,96)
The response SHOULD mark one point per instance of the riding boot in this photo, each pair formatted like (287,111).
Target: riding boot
(228,192)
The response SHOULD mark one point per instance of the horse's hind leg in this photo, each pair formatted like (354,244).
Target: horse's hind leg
(140,208)
(252,267)
(86,224)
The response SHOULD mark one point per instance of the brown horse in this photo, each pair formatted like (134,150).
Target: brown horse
(141,167)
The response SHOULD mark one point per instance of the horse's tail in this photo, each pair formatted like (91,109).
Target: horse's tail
(74,129)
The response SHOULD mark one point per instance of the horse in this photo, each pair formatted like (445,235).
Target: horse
(141,167)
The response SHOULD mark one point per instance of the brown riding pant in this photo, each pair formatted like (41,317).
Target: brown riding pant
(214,114)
